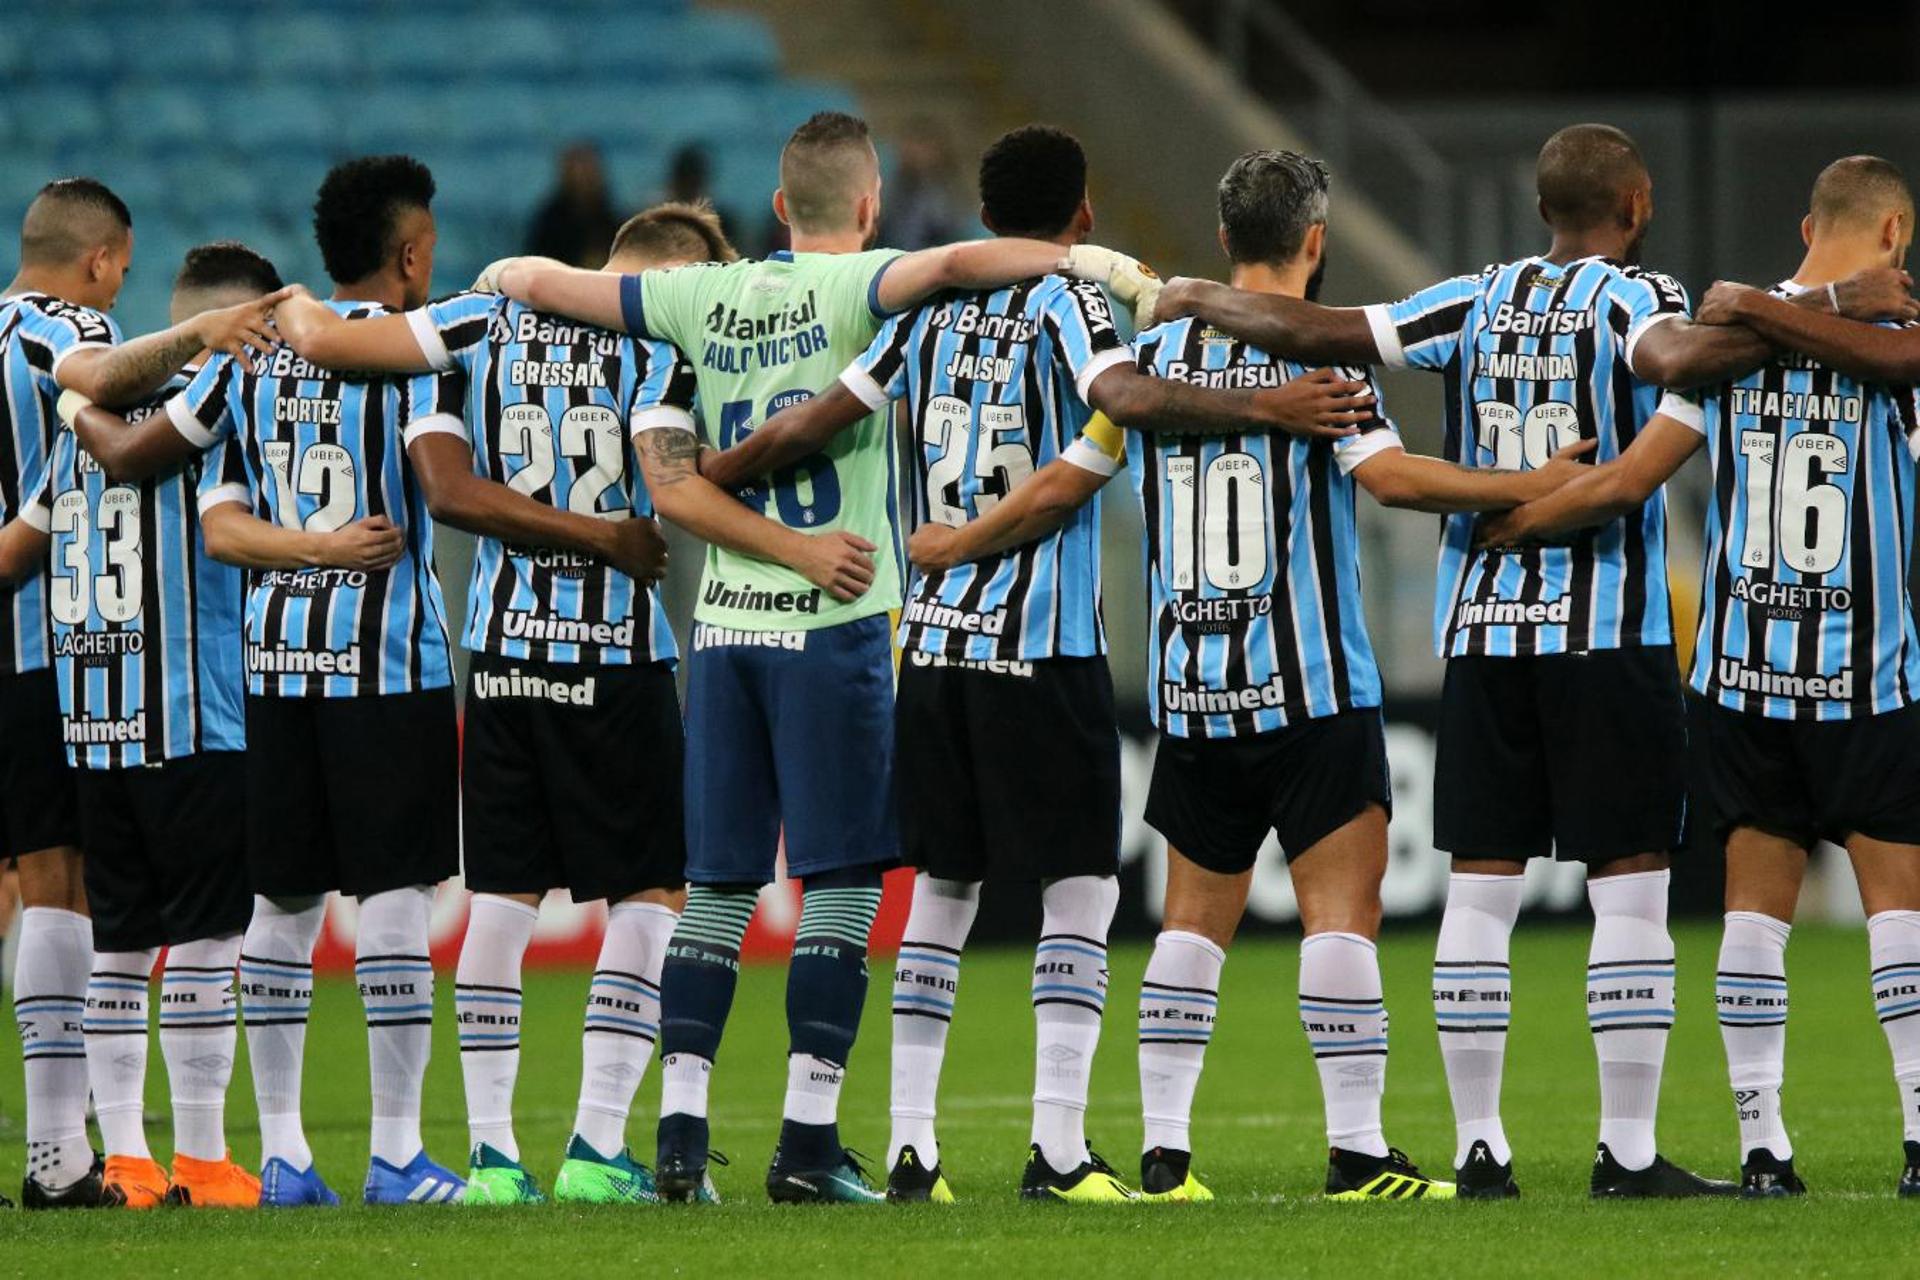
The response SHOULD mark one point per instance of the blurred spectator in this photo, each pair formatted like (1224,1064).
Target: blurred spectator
(576,223)
(921,206)
(690,180)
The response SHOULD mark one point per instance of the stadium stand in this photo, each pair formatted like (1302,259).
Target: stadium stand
(467,85)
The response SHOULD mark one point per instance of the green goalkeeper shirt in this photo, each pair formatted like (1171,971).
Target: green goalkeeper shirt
(763,335)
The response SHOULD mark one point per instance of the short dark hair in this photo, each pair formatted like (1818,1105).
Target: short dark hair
(358,210)
(1860,190)
(1032,180)
(226,264)
(1583,174)
(820,164)
(688,230)
(1268,200)
(69,217)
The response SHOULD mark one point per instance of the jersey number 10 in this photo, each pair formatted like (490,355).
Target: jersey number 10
(1228,540)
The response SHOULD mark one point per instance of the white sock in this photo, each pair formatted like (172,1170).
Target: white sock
(276,994)
(49,1004)
(197,1038)
(1345,1018)
(1179,998)
(486,1005)
(1750,990)
(395,973)
(683,1084)
(1630,983)
(116,1034)
(1473,1002)
(813,1090)
(622,1021)
(926,981)
(1893,939)
(1069,996)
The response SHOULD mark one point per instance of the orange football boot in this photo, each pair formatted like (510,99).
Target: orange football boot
(132,1183)
(213,1184)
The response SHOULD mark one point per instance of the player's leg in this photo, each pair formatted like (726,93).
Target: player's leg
(510,862)
(830,713)
(941,836)
(41,831)
(1889,875)
(617,797)
(1615,727)
(192,813)
(1764,872)
(1491,812)
(733,829)
(290,868)
(395,821)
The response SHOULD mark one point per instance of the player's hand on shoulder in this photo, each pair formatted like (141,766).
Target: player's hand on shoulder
(488,281)
(1722,302)
(1878,293)
(1564,465)
(934,547)
(1321,403)
(839,563)
(637,548)
(368,544)
(243,327)
(1131,281)
(1173,302)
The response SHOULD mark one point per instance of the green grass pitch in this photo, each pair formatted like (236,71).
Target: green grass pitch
(1258,1135)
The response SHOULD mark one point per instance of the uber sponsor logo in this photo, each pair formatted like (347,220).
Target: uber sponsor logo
(515,683)
(711,637)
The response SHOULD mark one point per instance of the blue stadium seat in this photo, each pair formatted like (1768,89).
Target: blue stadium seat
(160,116)
(302,48)
(73,50)
(734,44)
(511,46)
(191,50)
(393,119)
(416,47)
(501,113)
(265,118)
(58,116)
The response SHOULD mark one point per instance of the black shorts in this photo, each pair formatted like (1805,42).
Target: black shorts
(354,795)
(1808,780)
(37,803)
(1215,799)
(572,779)
(1582,756)
(166,848)
(1009,770)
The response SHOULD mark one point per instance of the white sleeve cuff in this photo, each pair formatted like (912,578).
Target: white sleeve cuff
(62,357)
(181,415)
(221,495)
(1386,336)
(433,349)
(1639,330)
(1350,453)
(1098,365)
(36,516)
(445,424)
(1088,457)
(1682,410)
(861,383)
(661,416)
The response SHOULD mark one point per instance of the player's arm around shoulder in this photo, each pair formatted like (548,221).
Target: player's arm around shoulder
(546,285)
(234,535)
(24,543)
(1034,508)
(1862,325)
(795,432)
(1590,495)
(371,344)
(123,372)
(839,563)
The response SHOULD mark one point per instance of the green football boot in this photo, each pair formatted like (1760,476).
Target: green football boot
(494,1179)
(588,1177)
(843,1182)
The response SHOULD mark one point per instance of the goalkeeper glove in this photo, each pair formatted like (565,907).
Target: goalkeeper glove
(488,281)
(1129,280)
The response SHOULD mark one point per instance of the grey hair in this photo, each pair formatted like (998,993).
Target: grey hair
(1268,199)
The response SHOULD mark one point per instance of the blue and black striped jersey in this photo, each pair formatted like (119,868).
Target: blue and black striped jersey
(37,331)
(550,408)
(995,385)
(320,450)
(146,625)
(1805,612)
(1536,357)
(1253,561)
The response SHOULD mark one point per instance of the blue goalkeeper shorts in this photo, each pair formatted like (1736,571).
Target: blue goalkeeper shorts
(793,731)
